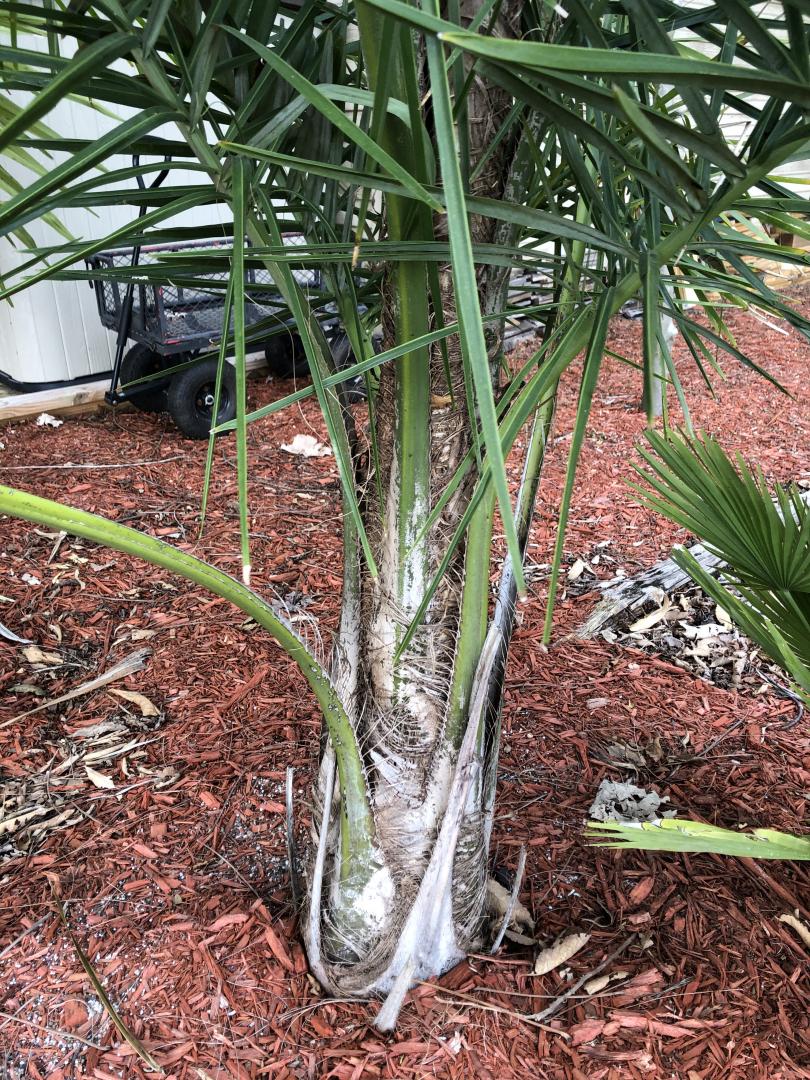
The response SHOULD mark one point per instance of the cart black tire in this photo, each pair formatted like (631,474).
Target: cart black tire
(191,398)
(139,361)
(343,356)
(285,356)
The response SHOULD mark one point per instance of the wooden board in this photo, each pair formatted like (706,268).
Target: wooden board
(73,400)
(66,401)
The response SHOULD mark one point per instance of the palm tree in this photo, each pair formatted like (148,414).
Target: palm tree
(435,148)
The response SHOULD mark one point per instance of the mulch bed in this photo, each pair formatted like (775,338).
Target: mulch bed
(171,867)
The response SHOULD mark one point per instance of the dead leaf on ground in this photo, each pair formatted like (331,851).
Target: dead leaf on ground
(498,900)
(147,707)
(132,663)
(99,779)
(650,620)
(593,986)
(801,928)
(577,570)
(626,754)
(306,446)
(46,420)
(27,688)
(723,617)
(560,952)
(34,655)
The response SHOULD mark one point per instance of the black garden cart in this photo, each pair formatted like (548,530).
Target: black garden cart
(171,323)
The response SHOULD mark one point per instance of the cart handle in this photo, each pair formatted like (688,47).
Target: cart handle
(161,176)
(125,319)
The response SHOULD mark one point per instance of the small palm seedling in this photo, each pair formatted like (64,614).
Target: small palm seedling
(763,540)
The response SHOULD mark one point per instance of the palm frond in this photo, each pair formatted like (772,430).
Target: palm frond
(684,835)
(763,539)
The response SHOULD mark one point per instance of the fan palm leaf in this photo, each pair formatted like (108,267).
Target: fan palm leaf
(762,538)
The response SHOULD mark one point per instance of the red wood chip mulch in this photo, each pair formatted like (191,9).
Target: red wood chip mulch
(163,835)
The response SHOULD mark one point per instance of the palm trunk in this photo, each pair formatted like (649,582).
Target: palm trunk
(421,711)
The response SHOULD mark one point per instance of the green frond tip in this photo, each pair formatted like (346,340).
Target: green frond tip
(682,834)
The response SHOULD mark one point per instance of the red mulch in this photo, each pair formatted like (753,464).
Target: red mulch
(176,884)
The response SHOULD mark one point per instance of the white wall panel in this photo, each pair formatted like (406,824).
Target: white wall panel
(52,331)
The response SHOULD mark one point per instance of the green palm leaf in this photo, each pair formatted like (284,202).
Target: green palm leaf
(762,538)
(683,835)
(765,539)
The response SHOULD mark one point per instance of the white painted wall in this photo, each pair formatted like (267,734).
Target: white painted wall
(52,331)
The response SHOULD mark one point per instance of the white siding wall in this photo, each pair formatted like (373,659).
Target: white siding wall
(52,331)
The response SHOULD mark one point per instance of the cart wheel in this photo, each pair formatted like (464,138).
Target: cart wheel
(285,356)
(191,398)
(343,356)
(138,362)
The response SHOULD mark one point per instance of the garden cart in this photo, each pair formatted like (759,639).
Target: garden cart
(171,324)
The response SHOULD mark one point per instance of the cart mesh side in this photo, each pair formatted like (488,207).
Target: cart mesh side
(174,314)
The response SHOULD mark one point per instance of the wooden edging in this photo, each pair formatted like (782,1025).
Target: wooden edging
(73,400)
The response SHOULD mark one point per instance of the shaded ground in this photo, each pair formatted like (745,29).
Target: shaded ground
(174,879)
